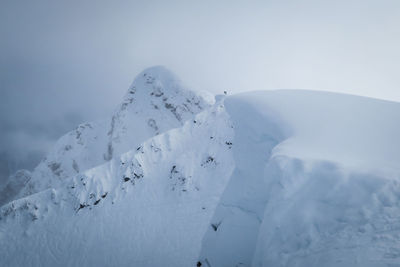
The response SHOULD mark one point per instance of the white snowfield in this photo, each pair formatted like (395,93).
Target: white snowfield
(267,178)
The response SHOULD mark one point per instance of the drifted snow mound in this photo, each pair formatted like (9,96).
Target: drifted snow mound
(270,178)
(316,183)
(155,102)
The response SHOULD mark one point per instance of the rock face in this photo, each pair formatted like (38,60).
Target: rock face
(155,102)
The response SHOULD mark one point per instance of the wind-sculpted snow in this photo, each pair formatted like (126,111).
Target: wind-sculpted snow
(319,214)
(336,204)
(275,178)
(232,238)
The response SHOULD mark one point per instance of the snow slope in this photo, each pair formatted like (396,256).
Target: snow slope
(268,178)
(149,207)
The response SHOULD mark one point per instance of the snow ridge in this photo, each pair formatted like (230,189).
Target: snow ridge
(181,172)
(240,210)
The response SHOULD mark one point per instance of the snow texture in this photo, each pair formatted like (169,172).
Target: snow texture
(267,178)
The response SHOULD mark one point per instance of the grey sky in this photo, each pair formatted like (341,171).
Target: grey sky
(65,62)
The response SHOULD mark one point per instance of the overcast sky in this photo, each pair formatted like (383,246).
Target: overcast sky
(65,62)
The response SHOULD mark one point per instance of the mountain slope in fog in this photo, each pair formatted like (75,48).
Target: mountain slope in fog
(155,102)
(268,178)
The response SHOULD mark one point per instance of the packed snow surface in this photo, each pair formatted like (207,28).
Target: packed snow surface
(267,178)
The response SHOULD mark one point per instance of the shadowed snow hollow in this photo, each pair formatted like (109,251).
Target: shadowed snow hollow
(269,178)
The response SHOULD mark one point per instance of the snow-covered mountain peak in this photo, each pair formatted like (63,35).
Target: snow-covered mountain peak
(159,90)
(269,178)
(151,83)
(155,103)
(155,77)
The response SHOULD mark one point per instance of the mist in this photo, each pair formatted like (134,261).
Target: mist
(66,62)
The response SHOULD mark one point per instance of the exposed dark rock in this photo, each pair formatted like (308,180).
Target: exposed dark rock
(215,226)
(82,206)
(208,161)
(55,167)
(138,176)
